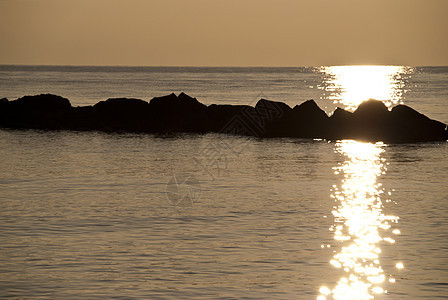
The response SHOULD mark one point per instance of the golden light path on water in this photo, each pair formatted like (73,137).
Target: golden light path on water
(360,225)
(350,85)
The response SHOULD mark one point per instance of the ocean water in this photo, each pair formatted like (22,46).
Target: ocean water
(88,215)
(423,88)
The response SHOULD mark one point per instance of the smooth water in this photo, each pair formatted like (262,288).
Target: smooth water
(136,216)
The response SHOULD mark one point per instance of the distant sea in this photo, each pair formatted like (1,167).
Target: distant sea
(92,215)
(423,88)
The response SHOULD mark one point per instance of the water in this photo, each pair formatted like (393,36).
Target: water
(132,216)
(423,88)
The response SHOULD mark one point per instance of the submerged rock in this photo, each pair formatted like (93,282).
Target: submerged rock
(371,121)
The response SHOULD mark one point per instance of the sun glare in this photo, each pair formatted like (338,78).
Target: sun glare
(351,85)
(360,224)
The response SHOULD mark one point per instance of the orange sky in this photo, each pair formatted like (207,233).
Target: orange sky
(224,33)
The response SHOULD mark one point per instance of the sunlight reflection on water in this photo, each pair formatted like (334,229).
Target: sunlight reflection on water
(350,85)
(360,225)
(359,222)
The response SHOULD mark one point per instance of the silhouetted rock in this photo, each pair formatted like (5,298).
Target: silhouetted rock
(269,115)
(247,120)
(272,110)
(122,114)
(371,121)
(306,120)
(83,118)
(43,103)
(229,119)
(43,111)
(177,114)
(4,111)
(412,126)
(340,124)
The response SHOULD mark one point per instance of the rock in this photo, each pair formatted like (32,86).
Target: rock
(247,120)
(83,118)
(306,120)
(177,114)
(4,111)
(45,111)
(371,121)
(121,114)
(341,124)
(43,103)
(230,119)
(410,126)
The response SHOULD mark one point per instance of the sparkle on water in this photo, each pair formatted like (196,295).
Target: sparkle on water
(360,224)
(350,85)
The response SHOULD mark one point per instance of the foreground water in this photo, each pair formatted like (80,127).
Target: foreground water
(96,215)
(93,215)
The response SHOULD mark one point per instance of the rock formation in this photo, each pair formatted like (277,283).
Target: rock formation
(371,121)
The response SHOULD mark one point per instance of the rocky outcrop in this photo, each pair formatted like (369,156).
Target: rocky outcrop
(44,111)
(176,114)
(371,121)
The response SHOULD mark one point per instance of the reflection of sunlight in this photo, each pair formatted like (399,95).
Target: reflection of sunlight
(350,85)
(359,222)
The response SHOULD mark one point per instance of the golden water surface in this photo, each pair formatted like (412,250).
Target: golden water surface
(360,226)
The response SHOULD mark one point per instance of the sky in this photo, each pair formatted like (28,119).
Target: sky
(224,33)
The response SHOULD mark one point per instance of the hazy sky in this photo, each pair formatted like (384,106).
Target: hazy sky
(224,33)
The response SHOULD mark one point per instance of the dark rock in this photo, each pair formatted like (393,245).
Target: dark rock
(371,109)
(177,114)
(121,114)
(272,109)
(250,121)
(341,124)
(43,102)
(83,118)
(120,105)
(231,119)
(45,111)
(371,121)
(269,115)
(408,125)
(306,120)
(4,111)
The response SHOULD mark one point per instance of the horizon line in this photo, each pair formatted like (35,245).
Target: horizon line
(217,66)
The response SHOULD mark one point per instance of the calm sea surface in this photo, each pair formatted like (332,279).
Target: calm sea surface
(88,215)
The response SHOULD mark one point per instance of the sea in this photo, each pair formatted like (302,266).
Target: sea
(95,215)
